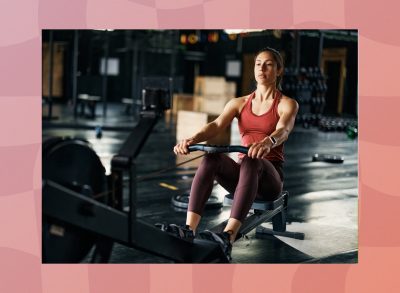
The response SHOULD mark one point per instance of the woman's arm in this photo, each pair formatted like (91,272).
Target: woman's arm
(211,129)
(287,109)
(287,112)
(215,127)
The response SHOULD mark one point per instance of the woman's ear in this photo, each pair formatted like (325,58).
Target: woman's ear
(280,71)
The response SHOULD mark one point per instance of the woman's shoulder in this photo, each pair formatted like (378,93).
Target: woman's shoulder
(238,101)
(237,104)
(286,101)
(244,99)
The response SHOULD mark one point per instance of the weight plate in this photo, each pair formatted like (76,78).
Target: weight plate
(182,201)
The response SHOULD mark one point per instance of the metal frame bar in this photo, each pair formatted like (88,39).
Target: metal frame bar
(75,54)
(250,222)
(105,74)
(73,208)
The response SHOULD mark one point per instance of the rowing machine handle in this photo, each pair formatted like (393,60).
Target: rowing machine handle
(218,149)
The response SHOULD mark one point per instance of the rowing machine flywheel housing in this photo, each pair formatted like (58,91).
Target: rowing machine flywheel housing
(73,164)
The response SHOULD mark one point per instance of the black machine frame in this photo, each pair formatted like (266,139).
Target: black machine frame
(63,204)
(110,223)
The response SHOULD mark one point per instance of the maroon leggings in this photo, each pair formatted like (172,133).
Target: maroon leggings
(247,180)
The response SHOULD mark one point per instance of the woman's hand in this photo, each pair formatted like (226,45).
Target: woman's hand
(259,150)
(182,147)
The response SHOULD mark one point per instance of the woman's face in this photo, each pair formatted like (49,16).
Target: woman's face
(265,69)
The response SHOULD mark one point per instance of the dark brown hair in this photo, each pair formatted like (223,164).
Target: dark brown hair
(279,61)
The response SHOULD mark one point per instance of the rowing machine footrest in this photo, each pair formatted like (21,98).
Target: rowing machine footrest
(260,206)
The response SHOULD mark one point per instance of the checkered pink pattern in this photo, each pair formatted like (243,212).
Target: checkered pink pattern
(21,22)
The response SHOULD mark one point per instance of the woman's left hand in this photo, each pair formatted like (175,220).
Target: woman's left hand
(259,150)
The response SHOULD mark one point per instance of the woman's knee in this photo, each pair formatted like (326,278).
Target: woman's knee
(249,163)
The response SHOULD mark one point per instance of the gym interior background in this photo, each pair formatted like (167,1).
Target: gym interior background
(93,83)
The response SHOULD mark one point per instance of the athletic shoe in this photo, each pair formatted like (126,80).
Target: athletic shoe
(182,232)
(223,239)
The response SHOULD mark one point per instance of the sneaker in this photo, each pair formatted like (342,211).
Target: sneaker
(182,232)
(223,239)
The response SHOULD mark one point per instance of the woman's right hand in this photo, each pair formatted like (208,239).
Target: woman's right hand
(182,147)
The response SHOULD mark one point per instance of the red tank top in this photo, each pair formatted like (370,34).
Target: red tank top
(254,128)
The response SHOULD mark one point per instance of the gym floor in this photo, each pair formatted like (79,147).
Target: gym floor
(323,201)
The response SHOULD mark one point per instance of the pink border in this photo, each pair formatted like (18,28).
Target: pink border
(20,156)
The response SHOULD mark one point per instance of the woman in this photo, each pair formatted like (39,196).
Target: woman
(266,118)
